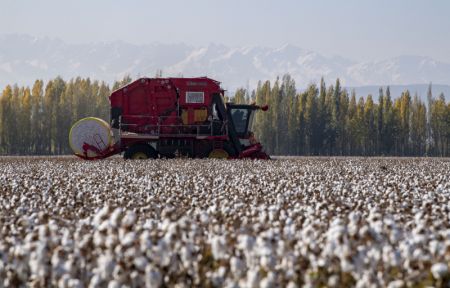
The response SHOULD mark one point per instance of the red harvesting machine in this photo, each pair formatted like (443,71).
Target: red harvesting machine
(169,117)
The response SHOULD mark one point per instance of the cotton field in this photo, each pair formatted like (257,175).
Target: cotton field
(312,222)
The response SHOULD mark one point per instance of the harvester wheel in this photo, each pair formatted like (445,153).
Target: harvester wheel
(140,151)
(218,154)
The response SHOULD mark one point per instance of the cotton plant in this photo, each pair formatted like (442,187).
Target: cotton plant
(304,222)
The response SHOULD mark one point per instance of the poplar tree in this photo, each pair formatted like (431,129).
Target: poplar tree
(311,120)
(25,122)
(7,119)
(239,96)
(379,119)
(369,126)
(352,124)
(418,127)
(389,127)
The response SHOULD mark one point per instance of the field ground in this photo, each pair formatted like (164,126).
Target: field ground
(334,222)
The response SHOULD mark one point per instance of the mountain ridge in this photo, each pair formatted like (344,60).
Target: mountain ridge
(24,58)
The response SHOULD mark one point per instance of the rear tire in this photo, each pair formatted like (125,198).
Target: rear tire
(140,152)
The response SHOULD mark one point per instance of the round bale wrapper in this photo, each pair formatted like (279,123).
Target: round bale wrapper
(92,131)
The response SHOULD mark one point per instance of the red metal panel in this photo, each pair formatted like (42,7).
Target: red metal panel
(146,101)
(201,84)
(137,101)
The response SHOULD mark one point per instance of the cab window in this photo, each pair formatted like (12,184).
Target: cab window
(240,120)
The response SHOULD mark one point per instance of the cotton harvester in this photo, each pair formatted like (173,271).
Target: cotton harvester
(169,117)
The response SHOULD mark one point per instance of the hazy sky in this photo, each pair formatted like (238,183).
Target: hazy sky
(357,29)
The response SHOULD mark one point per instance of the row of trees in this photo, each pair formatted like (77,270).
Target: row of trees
(328,121)
(319,121)
(37,121)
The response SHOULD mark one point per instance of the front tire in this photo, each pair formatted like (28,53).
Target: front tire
(140,152)
(218,154)
(225,152)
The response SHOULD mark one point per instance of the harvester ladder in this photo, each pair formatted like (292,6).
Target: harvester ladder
(225,116)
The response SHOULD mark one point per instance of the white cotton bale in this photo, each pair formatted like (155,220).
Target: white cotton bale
(93,131)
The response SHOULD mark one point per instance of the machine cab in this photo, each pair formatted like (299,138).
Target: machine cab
(242,116)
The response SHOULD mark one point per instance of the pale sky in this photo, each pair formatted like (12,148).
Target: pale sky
(356,29)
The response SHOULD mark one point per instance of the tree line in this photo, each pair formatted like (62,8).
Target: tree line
(327,120)
(321,120)
(37,121)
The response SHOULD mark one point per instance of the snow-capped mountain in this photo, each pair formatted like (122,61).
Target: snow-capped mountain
(24,59)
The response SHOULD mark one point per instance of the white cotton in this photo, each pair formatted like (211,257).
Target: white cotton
(106,265)
(116,216)
(439,270)
(95,281)
(101,214)
(246,242)
(268,262)
(128,239)
(268,281)
(140,263)
(129,219)
(396,284)
(113,284)
(218,247)
(237,266)
(253,278)
(153,277)
(75,283)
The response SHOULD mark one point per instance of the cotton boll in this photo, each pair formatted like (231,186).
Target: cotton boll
(396,284)
(246,242)
(161,253)
(268,262)
(44,232)
(145,241)
(218,247)
(186,256)
(439,270)
(264,247)
(140,263)
(95,282)
(128,239)
(217,277)
(116,217)
(231,284)
(333,281)
(106,265)
(104,226)
(119,274)
(109,241)
(113,284)
(237,267)
(253,278)
(66,240)
(153,277)
(204,218)
(69,265)
(75,283)
(268,281)
(129,219)
(57,263)
(395,235)
(435,247)
(101,215)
